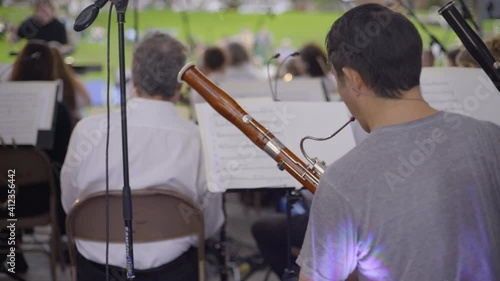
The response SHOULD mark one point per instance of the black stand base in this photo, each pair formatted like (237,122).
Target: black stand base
(290,273)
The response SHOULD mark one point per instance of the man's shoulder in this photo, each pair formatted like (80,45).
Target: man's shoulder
(98,121)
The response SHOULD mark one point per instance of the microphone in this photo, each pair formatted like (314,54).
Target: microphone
(278,73)
(269,74)
(88,15)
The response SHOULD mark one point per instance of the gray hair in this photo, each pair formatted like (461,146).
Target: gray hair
(157,60)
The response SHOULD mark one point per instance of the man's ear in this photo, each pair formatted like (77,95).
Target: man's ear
(353,79)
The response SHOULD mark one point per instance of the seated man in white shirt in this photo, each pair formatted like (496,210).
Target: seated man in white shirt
(164,152)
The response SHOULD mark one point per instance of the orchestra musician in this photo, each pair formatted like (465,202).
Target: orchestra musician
(164,153)
(418,198)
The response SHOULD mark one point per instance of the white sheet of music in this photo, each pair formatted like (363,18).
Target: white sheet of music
(18,117)
(467,91)
(25,108)
(297,89)
(234,162)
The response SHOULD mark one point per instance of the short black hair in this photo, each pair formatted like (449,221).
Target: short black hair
(383,46)
(214,58)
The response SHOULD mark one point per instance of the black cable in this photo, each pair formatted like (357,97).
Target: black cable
(107,139)
(269,75)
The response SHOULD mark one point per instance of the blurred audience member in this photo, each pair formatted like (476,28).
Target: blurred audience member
(75,96)
(240,67)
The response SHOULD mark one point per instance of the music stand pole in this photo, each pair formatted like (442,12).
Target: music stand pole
(121,7)
(292,196)
(468,15)
(424,28)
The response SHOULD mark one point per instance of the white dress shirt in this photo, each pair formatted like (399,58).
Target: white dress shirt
(164,150)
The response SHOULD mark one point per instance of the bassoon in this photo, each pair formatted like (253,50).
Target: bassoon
(472,42)
(307,175)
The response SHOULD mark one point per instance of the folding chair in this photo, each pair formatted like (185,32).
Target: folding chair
(173,216)
(32,166)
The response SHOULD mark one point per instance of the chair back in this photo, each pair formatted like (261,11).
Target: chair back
(30,166)
(158,214)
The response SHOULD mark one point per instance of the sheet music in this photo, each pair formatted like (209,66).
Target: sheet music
(467,91)
(297,89)
(25,108)
(18,118)
(233,161)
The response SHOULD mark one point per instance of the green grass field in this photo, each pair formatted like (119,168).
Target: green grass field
(300,27)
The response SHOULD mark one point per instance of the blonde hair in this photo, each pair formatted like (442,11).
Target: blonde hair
(465,59)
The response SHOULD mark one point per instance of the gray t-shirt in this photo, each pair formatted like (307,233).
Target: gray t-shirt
(415,201)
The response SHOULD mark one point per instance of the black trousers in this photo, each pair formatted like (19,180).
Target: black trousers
(270,234)
(183,268)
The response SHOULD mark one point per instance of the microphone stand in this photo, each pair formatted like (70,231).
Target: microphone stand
(136,21)
(434,40)
(84,20)
(121,7)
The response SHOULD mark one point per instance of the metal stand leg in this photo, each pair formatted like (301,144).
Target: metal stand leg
(292,196)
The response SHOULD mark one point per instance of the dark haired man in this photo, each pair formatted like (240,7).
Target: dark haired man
(164,152)
(418,199)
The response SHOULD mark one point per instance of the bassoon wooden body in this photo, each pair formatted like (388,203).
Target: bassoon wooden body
(258,134)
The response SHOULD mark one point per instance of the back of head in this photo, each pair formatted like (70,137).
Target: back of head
(157,60)
(33,63)
(313,56)
(465,59)
(238,54)
(383,46)
(214,58)
(493,45)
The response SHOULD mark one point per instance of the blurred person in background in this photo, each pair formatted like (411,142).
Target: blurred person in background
(42,25)
(240,66)
(75,95)
(214,65)
(35,62)
(465,59)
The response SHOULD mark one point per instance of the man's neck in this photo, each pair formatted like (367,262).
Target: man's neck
(155,97)
(385,112)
